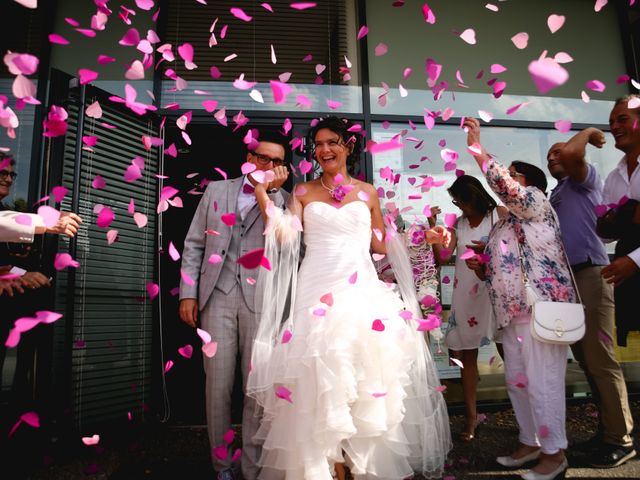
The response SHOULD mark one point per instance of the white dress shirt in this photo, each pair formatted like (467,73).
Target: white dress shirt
(12,231)
(246,201)
(617,185)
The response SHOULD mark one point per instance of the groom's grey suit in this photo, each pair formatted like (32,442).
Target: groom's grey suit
(228,307)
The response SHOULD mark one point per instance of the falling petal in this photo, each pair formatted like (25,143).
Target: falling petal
(469,36)
(362,32)
(555,22)
(520,40)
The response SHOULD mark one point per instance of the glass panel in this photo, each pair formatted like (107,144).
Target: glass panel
(315,48)
(466,69)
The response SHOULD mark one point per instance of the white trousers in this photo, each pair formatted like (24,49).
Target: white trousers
(535,376)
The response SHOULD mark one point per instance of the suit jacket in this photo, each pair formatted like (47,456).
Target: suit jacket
(199,246)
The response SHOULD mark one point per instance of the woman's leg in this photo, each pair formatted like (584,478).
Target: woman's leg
(518,387)
(470,387)
(546,366)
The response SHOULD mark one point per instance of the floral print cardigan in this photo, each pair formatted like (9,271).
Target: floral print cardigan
(530,222)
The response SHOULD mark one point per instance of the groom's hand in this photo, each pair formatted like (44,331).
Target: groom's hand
(189,311)
(281,174)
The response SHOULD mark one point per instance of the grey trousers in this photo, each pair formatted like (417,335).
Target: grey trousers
(597,358)
(230,323)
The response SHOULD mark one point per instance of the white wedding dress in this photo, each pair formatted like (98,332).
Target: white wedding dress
(341,376)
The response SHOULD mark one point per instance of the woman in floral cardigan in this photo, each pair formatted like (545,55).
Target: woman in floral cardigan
(534,371)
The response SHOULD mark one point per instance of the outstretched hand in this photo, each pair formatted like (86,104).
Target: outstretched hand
(440,235)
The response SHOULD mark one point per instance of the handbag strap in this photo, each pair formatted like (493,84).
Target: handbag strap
(525,276)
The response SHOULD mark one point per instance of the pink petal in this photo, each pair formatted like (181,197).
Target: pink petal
(468,253)
(450,219)
(596,85)
(153,289)
(353,278)
(441,388)
(303,5)
(381,49)
(31,418)
(520,40)
(252,259)
(104,59)
(144,4)
(515,108)
(135,71)
(563,126)
(428,14)
(93,440)
(221,452)
(173,252)
(327,299)
(49,215)
(333,104)
(497,68)
(59,193)
(469,36)
(210,349)
(204,335)
(130,39)
(377,325)
(544,431)
(555,22)
(140,219)
(236,455)
(239,13)
(214,258)
(98,182)
(286,336)
(58,39)
(105,217)
(362,32)
(384,147)
(266,6)
(186,351)
(168,366)
(28,3)
(547,74)
(23,87)
(457,362)
(284,393)
(64,260)
(280,91)
(229,219)
(229,436)
(24,63)
(600,5)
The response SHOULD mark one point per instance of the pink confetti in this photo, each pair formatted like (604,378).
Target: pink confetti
(254,259)
(469,36)
(210,349)
(377,326)
(327,299)
(450,219)
(428,14)
(93,440)
(384,147)
(353,278)
(520,40)
(49,214)
(236,455)
(64,260)
(266,6)
(563,126)
(362,32)
(441,388)
(286,336)
(520,381)
(333,104)
(555,22)
(105,59)
(596,85)
(229,436)
(98,182)
(600,5)
(547,74)
(229,219)
(140,219)
(381,49)
(280,91)
(457,362)
(58,39)
(221,452)
(284,393)
(515,108)
(544,431)
(303,5)
(153,289)
(173,252)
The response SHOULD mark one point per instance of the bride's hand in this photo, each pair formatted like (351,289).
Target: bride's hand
(439,234)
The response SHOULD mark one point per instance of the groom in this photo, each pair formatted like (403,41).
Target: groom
(222,294)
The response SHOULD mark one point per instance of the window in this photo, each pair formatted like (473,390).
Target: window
(311,45)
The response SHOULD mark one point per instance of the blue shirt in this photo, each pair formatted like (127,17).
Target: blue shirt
(575,205)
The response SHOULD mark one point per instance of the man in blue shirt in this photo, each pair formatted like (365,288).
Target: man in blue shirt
(575,197)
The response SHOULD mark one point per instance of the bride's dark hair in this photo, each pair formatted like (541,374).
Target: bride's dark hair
(341,127)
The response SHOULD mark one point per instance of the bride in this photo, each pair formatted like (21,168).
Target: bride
(339,367)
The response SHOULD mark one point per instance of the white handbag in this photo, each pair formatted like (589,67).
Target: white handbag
(560,323)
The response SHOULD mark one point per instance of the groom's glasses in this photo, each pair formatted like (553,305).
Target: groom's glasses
(266,160)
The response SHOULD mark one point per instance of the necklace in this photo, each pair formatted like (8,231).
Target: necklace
(340,191)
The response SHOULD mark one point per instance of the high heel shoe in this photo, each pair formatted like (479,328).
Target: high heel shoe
(558,473)
(510,462)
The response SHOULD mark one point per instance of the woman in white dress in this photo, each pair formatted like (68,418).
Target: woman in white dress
(471,319)
(342,373)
